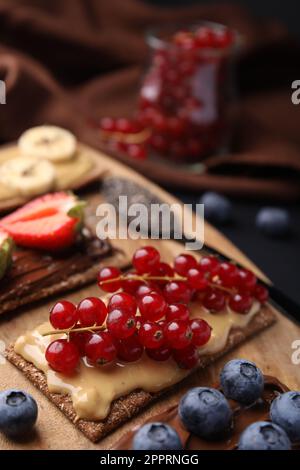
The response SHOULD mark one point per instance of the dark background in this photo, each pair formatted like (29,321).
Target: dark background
(279,259)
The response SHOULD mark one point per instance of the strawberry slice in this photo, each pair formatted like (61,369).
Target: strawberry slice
(49,222)
(6,248)
(42,207)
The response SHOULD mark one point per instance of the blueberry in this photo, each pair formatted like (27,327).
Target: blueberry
(205,412)
(273,221)
(285,411)
(217,208)
(242,381)
(18,412)
(156,436)
(263,435)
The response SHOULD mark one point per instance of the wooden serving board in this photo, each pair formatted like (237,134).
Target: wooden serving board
(271,349)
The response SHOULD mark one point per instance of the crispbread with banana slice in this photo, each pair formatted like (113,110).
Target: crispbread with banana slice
(27,171)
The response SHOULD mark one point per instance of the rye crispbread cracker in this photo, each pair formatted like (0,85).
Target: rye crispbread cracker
(126,407)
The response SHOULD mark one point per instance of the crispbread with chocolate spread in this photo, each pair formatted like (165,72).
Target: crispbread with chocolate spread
(126,407)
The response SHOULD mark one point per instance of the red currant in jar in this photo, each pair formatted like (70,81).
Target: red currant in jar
(63,315)
(201,331)
(131,285)
(177,312)
(228,274)
(196,279)
(62,356)
(214,300)
(186,358)
(146,259)
(151,335)
(100,348)
(152,306)
(129,349)
(209,264)
(246,280)
(240,303)
(91,311)
(121,324)
(112,274)
(124,302)
(261,293)
(178,334)
(183,263)
(160,354)
(177,292)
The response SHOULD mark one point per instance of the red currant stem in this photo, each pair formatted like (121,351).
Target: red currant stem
(218,286)
(132,138)
(145,277)
(75,330)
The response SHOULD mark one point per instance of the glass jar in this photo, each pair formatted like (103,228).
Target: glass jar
(187,91)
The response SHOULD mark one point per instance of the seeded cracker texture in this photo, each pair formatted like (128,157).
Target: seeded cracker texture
(126,407)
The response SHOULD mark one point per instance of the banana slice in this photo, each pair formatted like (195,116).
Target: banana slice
(27,176)
(48,142)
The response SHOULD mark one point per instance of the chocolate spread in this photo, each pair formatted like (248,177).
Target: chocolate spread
(33,269)
(242,417)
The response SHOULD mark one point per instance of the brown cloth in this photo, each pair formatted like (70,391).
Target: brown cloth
(65,62)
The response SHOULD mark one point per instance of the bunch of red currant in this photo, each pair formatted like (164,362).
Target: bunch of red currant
(148,311)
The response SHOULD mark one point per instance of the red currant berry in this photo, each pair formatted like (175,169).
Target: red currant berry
(146,259)
(137,151)
(143,290)
(246,280)
(163,270)
(63,315)
(121,324)
(209,264)
(196,279)
(201,331)
(152,306)
(124,302)
(62,356)
(91,311)
(100,348)
(205,37)
(261,293)
(223,37)
(130,285)
(183,263)
(125,125)
(108,124)
(240,303)
(186,358)
(214,300)
(178,334)
(109,273)
(80,338)
(161,354)
(228,274)
(151,335)
(129,349)
(177,292)
(177,312)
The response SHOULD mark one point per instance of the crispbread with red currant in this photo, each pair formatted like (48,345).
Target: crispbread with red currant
(54,250)
(157,325)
